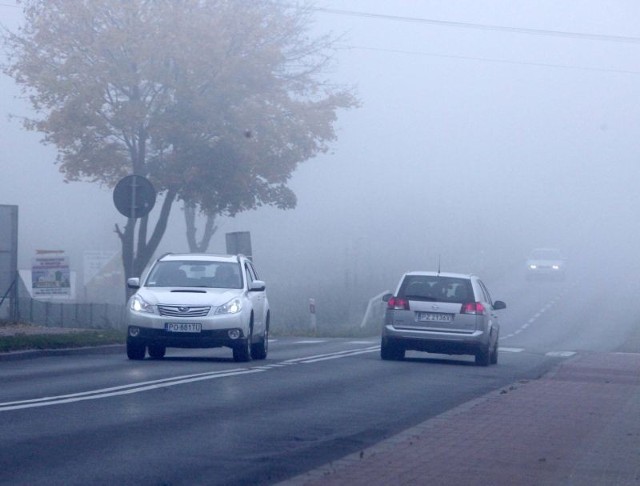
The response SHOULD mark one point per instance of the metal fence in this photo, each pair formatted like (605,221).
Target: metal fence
(58,314)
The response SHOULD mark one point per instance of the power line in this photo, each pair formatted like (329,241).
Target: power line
(470,25)
(487,59)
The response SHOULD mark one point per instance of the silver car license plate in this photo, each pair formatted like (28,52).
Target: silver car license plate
(183,326)
(434,317)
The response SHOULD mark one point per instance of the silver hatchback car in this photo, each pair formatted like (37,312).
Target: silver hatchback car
(445,313)
(199,301)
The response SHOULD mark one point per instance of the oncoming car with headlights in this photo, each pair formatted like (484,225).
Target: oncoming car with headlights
(198,301)
(546,263)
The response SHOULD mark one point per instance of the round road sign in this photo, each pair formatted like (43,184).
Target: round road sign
(134,196)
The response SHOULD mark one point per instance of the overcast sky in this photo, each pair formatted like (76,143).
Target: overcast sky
(487,128)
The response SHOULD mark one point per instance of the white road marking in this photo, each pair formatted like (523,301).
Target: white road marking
(122,390)
(337,354)
(560,354)
(354,353)
(174,381)
(182,380)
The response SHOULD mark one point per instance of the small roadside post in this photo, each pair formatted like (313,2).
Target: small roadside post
(312,314)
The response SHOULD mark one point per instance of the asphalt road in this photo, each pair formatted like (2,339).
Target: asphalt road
(197,417)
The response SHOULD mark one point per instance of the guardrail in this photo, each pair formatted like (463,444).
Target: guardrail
(374,315)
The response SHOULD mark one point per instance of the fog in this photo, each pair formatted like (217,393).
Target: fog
(473,145)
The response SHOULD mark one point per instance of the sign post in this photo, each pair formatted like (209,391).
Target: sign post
(134,197)
(312,314)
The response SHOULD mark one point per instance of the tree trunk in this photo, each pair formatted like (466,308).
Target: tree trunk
(209,229)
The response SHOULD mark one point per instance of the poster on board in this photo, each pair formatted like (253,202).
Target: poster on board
(50,274)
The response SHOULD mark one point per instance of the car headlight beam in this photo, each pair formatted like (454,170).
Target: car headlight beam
(232,307)
(138,304)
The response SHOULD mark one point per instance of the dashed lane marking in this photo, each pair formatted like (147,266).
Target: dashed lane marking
(511,350)
(535,317)
(560,354)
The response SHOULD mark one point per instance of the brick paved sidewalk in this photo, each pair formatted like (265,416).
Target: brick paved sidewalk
(579,425)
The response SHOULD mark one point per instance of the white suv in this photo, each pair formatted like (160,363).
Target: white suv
(446,313)
(199,301)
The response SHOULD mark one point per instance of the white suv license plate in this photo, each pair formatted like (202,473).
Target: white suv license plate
(434,317)
(183,326)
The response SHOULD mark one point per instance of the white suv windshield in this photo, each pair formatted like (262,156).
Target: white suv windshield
(210,274)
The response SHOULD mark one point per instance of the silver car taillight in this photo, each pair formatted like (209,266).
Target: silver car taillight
(397,303)
(473,308)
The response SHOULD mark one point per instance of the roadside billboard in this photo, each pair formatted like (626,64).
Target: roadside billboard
(50,274)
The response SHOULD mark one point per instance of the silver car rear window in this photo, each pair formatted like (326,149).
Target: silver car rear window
(436,289)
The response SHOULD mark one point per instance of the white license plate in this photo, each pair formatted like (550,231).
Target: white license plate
(182,326)
(434,317)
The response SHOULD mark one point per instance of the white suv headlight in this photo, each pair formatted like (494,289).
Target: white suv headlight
(232,307)
(138,304)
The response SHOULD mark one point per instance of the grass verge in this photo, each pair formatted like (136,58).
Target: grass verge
(24,342)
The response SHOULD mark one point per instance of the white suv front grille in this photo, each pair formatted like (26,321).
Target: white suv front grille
(183,310)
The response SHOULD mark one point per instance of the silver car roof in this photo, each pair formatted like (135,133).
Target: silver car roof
(442,274)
